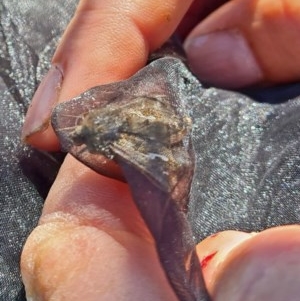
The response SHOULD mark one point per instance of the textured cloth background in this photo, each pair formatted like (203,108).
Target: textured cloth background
(248,172)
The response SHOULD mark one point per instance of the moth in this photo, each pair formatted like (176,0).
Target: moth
(142,131)
(140,123)
(143,127)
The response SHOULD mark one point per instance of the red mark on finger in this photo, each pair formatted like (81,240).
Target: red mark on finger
(205,261)
(214,235)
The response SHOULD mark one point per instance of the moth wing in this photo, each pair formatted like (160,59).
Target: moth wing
(97,162)
(168,168)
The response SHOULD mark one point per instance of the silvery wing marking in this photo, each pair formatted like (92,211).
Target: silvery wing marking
(143,125)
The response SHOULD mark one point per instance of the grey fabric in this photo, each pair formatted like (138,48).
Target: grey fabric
(248,170)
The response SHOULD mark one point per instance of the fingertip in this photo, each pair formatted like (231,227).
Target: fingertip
(214,249)
(43,139)
(36,130)
(224,59)
(265,267)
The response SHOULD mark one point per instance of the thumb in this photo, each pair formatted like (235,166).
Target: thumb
(247,42)
(106,41)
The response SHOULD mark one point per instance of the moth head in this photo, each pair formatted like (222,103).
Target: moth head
(91,132)
(80,135)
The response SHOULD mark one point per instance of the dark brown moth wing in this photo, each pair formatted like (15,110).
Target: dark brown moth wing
(169,169)
(172,234)
(159,173)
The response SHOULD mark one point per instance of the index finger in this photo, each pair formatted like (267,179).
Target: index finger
(106,41)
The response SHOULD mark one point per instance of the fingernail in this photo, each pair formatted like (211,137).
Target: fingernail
(46,96)
(223,59)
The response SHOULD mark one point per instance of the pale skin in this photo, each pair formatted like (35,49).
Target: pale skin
(91,243)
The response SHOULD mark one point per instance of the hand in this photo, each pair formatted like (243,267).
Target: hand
(91,242)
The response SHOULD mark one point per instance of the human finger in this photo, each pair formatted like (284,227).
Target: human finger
(91,244)
(247,42)
(258,266)
(106,41)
